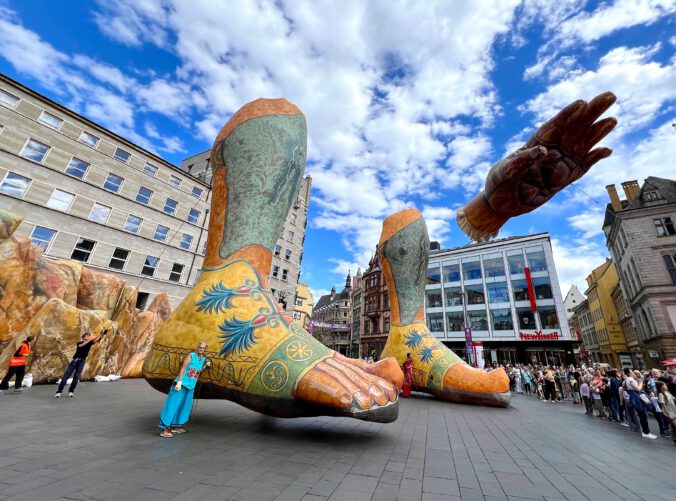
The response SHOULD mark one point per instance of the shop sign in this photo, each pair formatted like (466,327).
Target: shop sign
(539,336)
(654,354)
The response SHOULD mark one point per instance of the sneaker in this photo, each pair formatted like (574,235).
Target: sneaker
(18,390)
(623,424)
(57,395)
(649,435)
(71,394)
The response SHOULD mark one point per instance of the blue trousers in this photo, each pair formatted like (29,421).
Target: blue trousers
(177,407)
(74,369)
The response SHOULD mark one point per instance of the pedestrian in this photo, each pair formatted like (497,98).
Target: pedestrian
(597,388)
(584,391)
(76,365)
(549,386)
(177,406)
(408,376)
(17,366)
(638,400)
(668,407)
(613,395)
(574,389)
(526,381)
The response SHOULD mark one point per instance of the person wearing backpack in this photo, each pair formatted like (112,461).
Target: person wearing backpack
(17,366)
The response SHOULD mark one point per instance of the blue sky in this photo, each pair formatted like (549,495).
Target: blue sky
(408,103)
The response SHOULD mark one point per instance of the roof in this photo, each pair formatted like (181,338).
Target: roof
(492,242)
(665,187)
(329,299)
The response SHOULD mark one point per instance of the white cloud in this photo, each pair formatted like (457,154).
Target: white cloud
(575,260)
(588,222)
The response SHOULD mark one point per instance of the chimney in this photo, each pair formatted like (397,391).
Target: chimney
(631,189)
(614,198)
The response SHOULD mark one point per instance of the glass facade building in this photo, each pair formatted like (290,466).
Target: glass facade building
(507,292)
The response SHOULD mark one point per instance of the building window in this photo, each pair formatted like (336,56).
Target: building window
(477,320)
(293,218)
(433,298)
(278,250)
(175,181)
(83,250)
(133,223)
(151,170)
(113,183)
(299,301)
(435,322)
(542,288)
(121,155)
(670,263)
(197,192)
(99,213)
(475,294)
(649,196)
(42,236)
(176,273)
(50,120)
(526,318)
(287,254)
(289,236)
(150,266)
(516,263)
(193,216)
(471,269)
(549,318)
(144,195)
(455,321)
(433,275)
(186,241)
(119,259)
(494,267)
(77,168)
(520,289)
(501,319)
(285,274)
(497,293)
(35,151)
(197,276)
(203,251)
(451,271)
(15,185)
(170,206)
(664,227)
(536,259)
(60,200)
(161,233)
(275,271)
(89,139)
(296,315)
(8,100)
(453,296)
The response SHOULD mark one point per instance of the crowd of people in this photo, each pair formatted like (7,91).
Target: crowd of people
(628,396)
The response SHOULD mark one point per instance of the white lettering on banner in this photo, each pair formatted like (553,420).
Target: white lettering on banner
(327,325)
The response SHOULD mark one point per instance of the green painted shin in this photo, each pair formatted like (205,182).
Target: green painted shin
(407,254)
(265,159)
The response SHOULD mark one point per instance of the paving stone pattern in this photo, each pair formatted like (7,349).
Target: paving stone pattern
(104,445)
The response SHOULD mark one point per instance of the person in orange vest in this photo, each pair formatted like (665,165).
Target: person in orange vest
(17,366)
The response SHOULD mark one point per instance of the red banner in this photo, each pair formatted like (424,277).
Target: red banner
(539,336)
(531,290)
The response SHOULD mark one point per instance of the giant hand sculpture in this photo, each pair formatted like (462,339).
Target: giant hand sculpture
(558,154)
(261,357)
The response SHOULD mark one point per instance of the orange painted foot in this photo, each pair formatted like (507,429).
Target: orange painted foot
(436,369)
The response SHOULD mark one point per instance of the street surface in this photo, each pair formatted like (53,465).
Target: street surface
(104,444)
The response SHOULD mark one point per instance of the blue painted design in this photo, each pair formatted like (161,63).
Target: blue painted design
(219,297)
(238,336)
(413,338)
(426,354)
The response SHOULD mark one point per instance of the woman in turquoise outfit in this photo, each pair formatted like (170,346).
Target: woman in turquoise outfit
(177,407)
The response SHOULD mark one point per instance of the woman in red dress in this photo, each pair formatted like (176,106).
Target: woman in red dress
(408,376)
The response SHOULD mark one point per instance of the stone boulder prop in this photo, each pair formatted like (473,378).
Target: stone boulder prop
(56,301)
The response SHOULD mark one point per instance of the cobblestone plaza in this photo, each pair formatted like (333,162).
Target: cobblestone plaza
(104,444)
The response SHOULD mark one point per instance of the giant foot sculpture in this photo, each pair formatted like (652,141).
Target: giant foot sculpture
(558,154)
(261,358)
(437,370)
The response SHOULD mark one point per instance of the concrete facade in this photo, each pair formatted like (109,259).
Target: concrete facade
(357,309)
(589,349)
(335,308)
(303,304)
(641,237)
(86,193)
(287,256)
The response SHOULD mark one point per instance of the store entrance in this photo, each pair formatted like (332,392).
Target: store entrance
(543,356)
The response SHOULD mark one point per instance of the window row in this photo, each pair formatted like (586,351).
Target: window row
(37,151)
(287,252)
(60,200)
(43,237)
(470,268)
(499,319)
(497,292)
(275,273)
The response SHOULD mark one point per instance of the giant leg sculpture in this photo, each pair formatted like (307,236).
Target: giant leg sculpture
(261,358)
(403,252)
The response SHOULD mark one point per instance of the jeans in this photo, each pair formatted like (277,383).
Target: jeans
(614,409)
(75,369)
(587,405)
(631,416)
(19,370)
